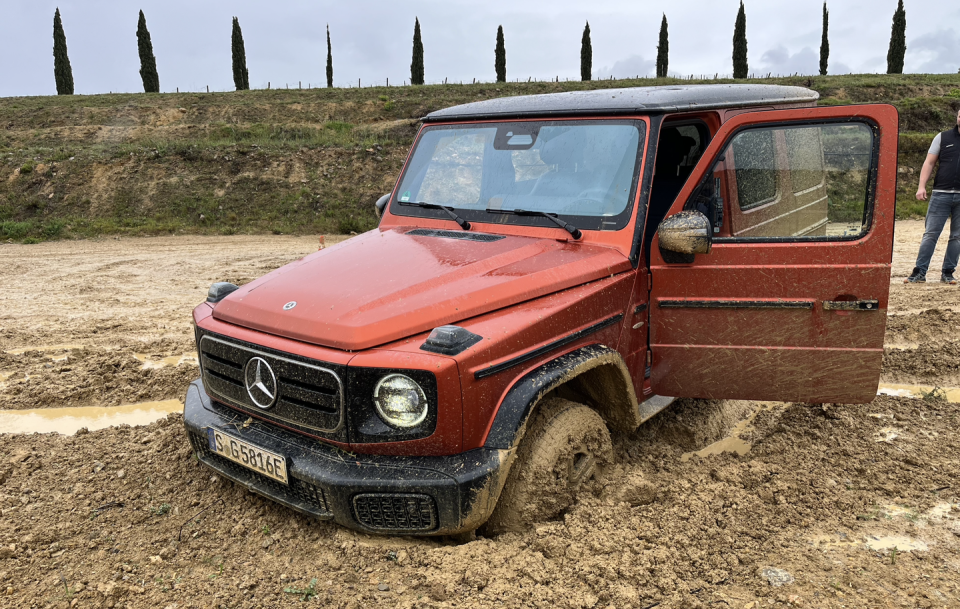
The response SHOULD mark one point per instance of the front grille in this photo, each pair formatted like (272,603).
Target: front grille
(450,234)
(297,491)
(309,395)
(395,512)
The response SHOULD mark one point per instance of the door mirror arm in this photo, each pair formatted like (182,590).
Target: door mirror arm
(381,204)
(687,233)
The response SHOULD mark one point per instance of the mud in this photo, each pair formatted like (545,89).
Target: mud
(104,323)
(847,505)
(733,441)
(69,421)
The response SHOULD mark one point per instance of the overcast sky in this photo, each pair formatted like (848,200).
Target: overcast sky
(285,39)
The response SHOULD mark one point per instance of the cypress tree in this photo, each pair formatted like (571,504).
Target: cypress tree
(500,59)
(586,54)
(416,65)
(241,78)
(898,41)
(824,42)
(740,67)
(663,50)
(62,72)
(148,63)
(329,60)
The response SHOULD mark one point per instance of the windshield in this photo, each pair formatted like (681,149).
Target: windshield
(582,170)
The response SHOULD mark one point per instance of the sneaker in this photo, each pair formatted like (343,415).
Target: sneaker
(947,278)
(916,277)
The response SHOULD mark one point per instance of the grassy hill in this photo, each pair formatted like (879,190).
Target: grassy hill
(296,161)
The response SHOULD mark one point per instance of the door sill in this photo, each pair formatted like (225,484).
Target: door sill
(652,406)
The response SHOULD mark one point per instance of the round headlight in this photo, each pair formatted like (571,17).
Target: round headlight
(400,401)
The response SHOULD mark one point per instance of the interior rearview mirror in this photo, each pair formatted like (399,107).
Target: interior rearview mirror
(381,204)
(687,232)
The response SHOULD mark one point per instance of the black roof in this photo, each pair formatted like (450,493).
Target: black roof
(636,100)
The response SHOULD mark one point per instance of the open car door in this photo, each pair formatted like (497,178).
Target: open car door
(790,303)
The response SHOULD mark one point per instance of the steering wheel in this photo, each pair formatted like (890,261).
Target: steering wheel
(594,194)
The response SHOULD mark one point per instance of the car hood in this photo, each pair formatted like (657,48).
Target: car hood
(386,285)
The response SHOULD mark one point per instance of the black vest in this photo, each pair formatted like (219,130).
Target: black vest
(948,175)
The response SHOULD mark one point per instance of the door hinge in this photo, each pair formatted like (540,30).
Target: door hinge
(649,358)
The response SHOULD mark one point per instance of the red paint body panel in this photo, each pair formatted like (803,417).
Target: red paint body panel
(779,354)
(521,329)
(385,285)
(762,372)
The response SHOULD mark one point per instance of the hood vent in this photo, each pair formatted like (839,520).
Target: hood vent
(451,234)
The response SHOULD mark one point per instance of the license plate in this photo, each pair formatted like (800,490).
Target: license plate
(262,461)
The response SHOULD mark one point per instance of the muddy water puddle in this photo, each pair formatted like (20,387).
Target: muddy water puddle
(68,421)
(902,346)
(151,362)
(734,443)
(900,543)
(941,515)
(951,394)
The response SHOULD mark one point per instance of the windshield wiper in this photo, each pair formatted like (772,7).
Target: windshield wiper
(463,223)
(570,228)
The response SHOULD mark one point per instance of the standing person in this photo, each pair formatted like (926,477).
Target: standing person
(944,203)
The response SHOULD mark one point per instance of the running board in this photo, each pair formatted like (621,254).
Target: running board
(652,406)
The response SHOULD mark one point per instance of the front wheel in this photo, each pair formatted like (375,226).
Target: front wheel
(566,445)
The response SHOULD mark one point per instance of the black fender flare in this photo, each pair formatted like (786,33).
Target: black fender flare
(620,404)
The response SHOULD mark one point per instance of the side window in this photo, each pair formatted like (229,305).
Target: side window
(803,181)
(804,154)
(754,161)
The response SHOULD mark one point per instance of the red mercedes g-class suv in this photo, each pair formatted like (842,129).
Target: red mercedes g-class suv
(549,268)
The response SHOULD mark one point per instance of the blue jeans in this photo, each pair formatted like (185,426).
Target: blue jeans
(943,205)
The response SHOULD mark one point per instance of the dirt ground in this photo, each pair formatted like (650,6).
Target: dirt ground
(831,506)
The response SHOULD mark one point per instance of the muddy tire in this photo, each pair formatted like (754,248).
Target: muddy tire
(565,447)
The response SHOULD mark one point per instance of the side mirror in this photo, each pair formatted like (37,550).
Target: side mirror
(381,204)
(687,232)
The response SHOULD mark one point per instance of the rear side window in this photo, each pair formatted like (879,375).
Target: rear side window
(792,182)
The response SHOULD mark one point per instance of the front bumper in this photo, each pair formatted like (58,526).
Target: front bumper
(370,493)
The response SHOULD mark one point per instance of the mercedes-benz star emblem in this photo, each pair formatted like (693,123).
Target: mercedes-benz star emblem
(289,305)
(260,382)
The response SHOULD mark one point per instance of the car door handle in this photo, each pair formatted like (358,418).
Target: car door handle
(851,305)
